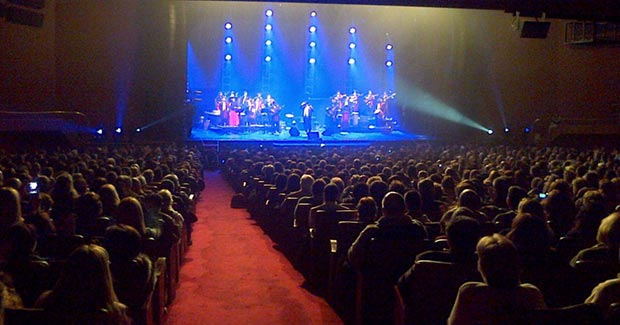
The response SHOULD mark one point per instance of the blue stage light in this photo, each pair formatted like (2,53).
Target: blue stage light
(228,40)
(389,47)
(268,12)
(228,26)
(527,130)
(118,130)
(228,57)
(351,45)
(389,63)
(312,29)
(506,130)
(268,42)
(268,27)
(268,58)
(312,44)
(138,130)
(352,30)
(100,131)
(313,13)
(351,61)
(312,61)
(489,131)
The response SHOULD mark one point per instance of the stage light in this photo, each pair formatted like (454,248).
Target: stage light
(228,57)
(228,26)
(138,130)
(312,29)
(268,12)
(527,130)
(313,13)
(268,27)
(351,45)
(489,132)
(351,61)
(352,30)
(312,44)
(100,131)
(268,42)
(228,40)
(268,58)
(389,47)
(312,61)
(118,130)
(389,63)
(506,130)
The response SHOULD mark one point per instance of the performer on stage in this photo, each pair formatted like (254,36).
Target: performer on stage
(221,108)
(274,113)
(234,107)
(306,112)
(354,108)
(245,103)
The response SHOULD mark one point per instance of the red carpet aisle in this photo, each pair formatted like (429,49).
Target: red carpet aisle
(233,275)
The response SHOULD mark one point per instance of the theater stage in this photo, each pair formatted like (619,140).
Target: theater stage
(337,137)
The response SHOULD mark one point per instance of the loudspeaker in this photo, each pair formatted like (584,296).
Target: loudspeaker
(294,131)
(313,136)
(535,29)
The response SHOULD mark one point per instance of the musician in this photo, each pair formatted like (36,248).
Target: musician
(274,113)
(306,112)
(354,107)
(234,107)
(382,112)
(221,108)
(245,103)
(369,100)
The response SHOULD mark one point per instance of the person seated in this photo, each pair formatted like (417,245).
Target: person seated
(132,271)
(502,295)
(330,194)
(29,273)
(414,206)
(605,294)
(514,196)
(85,290)
(608,242)
(462,233)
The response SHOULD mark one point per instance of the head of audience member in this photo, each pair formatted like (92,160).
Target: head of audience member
(470,199)
(306,182)
(330,193)
(166,199)
(530,234)
(88,208)
(463,234)
(377,189)
(109,199)
(292,183)
(10,208)
(22,241)
(393,205)
(531,206)
(122,242)
(609,232)
(130,213)
(367,209)
(498,262)
(360,190)
(413,202)
(85,284)
(514,196)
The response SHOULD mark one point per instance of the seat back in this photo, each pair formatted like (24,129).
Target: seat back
(433,289)
(302,211)
(583,314)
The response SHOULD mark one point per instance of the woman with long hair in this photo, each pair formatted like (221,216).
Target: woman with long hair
(84,290)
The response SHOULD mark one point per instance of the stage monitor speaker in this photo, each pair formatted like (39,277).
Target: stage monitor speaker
(535,29)
(294,131)
(313,136)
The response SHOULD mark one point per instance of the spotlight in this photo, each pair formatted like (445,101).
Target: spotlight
(100,131)
(312,44)
(351,45)
(389,47)
(228,26)
(312,61)
(268,42)
(506,130)
(268,12)
(313,13)
(268,27)
(489,131)
(138,130)
(228,40)
(228,57)
(268,58)
(351,61)
(389,63)
(118,130)
(352,30)
(312,29)
(527,130)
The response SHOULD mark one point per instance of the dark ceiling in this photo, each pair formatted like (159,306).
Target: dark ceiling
(597,10)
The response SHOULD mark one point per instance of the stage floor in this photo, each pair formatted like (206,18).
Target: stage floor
(352,137)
